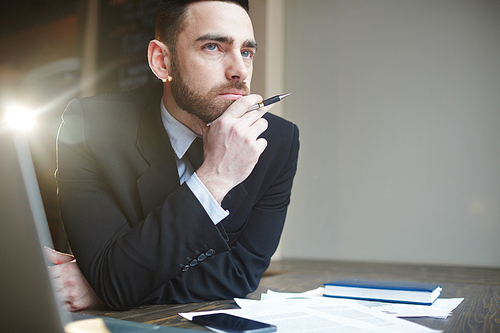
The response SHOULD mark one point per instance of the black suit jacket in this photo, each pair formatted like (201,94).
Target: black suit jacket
(140,237)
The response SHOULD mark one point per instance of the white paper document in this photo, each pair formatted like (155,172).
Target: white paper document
(441,309)
(319,315)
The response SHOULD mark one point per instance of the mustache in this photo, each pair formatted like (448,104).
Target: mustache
(230,85)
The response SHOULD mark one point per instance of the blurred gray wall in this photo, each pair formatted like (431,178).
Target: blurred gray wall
(398,103)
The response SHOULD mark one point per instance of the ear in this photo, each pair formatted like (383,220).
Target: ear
(159,59)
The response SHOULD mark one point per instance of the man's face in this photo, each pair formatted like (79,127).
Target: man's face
(212,66)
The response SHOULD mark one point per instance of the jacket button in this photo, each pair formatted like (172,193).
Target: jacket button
(185,268)
(193,262)
(202,257)
(210,252)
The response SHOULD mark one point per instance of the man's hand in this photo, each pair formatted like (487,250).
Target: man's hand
(72,288)
(232,146)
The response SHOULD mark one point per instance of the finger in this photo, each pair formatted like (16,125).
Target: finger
(58,286)
(56,278)
(257,128)
(59,292)
(54,271)
(57,257)
(64,272)
(66,294)
(254,115)
(262,144)
(66,306)
(241,105)
(204,127)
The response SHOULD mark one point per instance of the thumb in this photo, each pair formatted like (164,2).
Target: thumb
(57,257)
(203,127)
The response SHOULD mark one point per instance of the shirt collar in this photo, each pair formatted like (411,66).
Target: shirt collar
(180,136)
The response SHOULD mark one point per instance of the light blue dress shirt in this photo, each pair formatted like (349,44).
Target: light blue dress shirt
(181,138)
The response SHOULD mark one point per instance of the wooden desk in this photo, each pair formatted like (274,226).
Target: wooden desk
(479,312)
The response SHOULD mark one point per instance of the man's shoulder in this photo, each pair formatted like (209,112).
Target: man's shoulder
(279,127)
(112,115)
(134,99)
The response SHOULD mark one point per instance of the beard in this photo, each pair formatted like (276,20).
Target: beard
(206,107)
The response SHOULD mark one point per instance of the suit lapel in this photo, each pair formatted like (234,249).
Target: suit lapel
(161,178)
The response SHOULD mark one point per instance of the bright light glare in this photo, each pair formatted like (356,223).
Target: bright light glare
(20,118)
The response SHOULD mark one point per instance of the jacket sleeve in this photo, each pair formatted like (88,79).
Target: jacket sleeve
(237,272)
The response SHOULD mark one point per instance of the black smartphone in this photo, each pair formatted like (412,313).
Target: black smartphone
(230,323)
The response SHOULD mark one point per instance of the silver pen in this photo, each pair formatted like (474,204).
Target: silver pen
(265,102)
(268,101)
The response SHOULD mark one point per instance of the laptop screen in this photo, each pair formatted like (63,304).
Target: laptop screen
(27,299)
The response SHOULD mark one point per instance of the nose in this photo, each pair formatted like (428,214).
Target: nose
(237,68)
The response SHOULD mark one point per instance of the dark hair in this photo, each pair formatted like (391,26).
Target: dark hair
(170,19)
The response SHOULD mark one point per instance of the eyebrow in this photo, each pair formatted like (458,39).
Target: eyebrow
(226,40)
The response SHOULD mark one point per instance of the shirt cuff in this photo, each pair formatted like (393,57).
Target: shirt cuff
(213,209)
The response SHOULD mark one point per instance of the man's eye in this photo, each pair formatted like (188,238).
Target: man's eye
(247,54)
(211,47)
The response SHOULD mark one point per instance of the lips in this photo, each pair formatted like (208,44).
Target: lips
(233,94)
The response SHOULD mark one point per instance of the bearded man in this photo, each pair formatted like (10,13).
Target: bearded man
(146,224)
